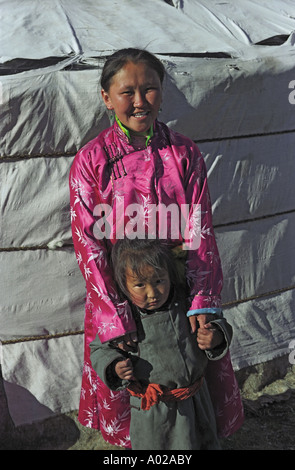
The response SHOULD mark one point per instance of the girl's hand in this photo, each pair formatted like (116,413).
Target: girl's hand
(124,370)
(209,337)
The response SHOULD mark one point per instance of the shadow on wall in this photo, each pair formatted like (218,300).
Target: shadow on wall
(54,433)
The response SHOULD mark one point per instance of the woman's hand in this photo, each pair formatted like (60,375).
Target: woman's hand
(200,320)
(128,342)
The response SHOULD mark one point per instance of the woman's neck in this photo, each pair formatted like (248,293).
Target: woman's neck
(138,141)
(136,138)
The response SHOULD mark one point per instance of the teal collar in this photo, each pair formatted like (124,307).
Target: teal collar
(128,134)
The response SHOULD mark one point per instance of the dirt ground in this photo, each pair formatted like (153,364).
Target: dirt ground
(269,425)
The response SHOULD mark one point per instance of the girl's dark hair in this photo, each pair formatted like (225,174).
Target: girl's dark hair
(116,61)
(137,254)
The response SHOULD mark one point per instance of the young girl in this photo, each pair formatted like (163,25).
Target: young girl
(167,371)
(140,161)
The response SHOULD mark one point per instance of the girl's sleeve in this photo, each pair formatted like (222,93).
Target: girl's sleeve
(204,272)
(110,317)
(103,360)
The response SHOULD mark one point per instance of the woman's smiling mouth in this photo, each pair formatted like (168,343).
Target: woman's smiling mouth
(140,114)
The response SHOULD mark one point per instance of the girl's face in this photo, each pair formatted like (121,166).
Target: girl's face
(135,94)
(149,290)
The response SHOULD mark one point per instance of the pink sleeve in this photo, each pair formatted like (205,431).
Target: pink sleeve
(204,272)
(110,317)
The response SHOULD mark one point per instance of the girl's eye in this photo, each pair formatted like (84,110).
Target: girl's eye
(140,284)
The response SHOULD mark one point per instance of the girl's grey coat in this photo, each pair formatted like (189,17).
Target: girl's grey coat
(168,354)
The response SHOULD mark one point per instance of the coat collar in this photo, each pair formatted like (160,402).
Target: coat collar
(125,134)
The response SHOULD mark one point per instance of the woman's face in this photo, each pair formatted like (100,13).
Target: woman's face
(135,94)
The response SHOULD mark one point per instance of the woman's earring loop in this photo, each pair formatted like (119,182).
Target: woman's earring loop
(111,116)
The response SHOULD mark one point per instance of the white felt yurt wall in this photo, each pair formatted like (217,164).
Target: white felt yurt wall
(226,91)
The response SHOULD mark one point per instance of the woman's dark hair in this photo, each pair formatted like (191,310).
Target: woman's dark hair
(116,61)
(137,254)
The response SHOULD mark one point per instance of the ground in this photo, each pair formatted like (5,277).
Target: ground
(269,424)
